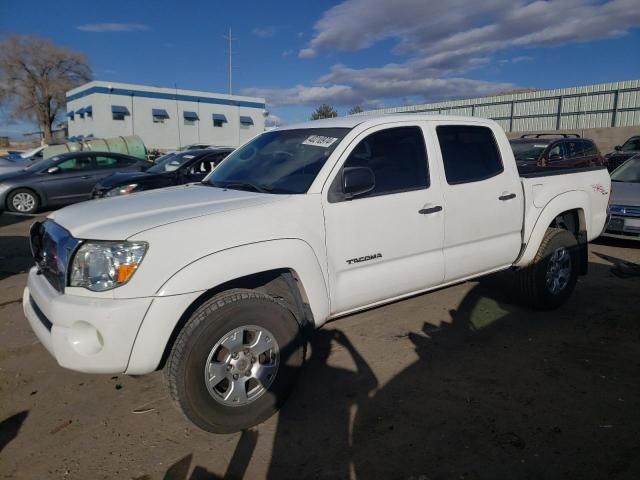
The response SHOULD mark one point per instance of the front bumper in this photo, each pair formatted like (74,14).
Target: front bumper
(84,334)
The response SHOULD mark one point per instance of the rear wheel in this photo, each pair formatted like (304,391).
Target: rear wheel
(23,200)
(235,361)
(550,279)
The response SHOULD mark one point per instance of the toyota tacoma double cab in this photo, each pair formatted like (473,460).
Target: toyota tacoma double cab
(219,282)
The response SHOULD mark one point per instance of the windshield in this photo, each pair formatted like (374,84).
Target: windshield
(281,161)
(631,145)
(527,151)
(629,171)
(171,162)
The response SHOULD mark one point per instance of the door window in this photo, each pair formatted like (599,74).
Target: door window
(574,149)
(74,164)
(469,154)
(397,157)
(556,151)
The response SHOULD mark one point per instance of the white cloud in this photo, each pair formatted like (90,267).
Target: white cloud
(459,26)
(274,120)
(113,27)
(438,42)
(369,92)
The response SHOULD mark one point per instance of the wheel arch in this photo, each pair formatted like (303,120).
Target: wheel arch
(573,209)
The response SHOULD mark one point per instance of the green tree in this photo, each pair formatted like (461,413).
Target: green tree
(35,75)
(356,109)
(324,111)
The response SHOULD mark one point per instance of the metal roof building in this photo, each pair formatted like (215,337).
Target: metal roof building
(594,106)
(165,118)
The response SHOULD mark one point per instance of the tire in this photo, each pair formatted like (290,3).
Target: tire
(23,200)
(546,284)
(235,319)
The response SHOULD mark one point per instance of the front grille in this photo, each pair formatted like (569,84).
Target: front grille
(624,210)
(52,247)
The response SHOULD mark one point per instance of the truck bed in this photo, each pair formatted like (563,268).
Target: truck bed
(546,185)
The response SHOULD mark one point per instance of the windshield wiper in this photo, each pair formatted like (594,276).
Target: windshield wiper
(244,186)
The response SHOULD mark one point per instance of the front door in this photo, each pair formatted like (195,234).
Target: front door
(483,197)
(71,182)
(387,242)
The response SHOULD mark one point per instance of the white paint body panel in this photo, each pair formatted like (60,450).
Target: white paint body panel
(201,237)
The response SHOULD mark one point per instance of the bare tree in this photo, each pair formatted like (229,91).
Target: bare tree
(356,109)
(35,74)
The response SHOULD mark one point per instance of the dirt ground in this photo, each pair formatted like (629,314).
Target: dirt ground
(461,383)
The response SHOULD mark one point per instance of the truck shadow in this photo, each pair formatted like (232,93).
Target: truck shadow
(501,392)
(15,256)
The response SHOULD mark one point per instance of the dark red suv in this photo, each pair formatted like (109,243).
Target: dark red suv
(568,151)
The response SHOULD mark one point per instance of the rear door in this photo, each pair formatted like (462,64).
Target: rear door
(483,200)
(387,242)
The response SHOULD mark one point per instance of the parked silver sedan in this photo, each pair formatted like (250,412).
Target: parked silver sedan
(624,204)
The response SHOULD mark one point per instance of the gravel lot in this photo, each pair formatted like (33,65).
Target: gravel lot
(459,383)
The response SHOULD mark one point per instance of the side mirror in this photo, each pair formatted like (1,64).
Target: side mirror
(53,170)
(357,181)
(618,147)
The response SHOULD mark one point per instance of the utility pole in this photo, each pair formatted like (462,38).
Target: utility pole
(229,39)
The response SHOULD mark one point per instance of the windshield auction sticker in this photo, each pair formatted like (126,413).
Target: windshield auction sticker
(319,141)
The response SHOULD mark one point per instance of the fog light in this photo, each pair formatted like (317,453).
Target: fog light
(85,338)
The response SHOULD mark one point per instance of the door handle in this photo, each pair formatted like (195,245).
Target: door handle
(427,211)
(507,197)
(86,177)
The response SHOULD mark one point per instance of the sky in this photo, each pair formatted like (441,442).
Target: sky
(373,53)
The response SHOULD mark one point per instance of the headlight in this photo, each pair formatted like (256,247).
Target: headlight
(124,190)
(100,266)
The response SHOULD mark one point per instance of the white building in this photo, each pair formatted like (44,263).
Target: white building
(165,118)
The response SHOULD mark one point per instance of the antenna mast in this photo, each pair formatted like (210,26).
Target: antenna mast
(229,39)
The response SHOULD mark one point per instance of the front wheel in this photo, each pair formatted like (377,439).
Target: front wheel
(23,200)
(235,361)
(550,279)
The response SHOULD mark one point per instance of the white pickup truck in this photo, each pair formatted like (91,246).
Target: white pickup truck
(218,282)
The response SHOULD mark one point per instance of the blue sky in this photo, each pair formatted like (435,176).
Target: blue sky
(299,54)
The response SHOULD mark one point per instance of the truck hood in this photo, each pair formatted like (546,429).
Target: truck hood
(625,193)
(119,218)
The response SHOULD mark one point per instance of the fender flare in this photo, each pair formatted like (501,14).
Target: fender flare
(220,267)
(573,200)
(179,292)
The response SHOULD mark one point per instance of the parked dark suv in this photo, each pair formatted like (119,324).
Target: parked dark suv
(547,150)
(623,153)
(175,168)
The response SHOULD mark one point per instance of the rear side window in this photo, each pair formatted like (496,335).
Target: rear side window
(398,158)
(111,162)
(469,154)
(590,148)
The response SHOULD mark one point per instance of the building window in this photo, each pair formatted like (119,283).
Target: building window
(159,115)
(70,115)
(245,122)
(80,112)
(190,118)
(219,119)
(88,111)
(119,112)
